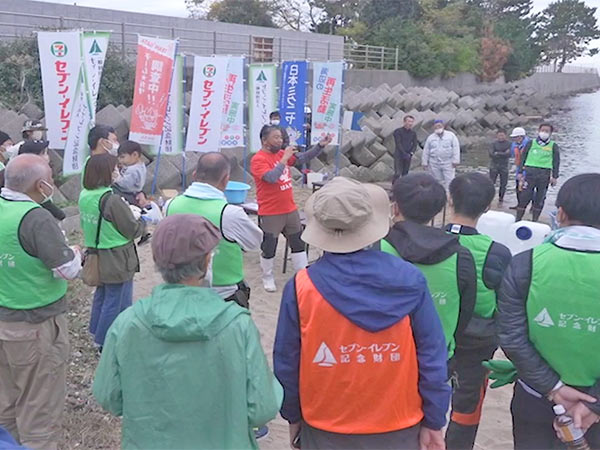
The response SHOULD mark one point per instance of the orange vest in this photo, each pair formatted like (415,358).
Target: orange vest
(353,381)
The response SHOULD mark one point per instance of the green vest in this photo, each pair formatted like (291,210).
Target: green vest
(25,281)
(228,262)
(563,312)
(442,281)
(89,213)
(539,156)
(480,245)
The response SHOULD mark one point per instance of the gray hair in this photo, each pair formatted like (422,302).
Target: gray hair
(23,171)
(196,269)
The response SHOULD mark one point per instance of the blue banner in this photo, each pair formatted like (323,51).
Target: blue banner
(292,95)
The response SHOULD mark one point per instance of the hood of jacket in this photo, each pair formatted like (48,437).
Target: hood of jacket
(422,244)
(370,288)
(178,313)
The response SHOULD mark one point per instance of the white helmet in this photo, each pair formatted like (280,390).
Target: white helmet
(517,132)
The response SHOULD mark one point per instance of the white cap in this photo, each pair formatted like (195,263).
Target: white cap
(559,410)
(518,132)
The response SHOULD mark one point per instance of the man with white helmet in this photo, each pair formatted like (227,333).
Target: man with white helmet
(520,141)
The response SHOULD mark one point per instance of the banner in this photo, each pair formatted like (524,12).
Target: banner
(60,63)
(232,128)
(206,114)
(172,138)
(327,100)
(292,95)
(262,99)
(93,47)
(153,73)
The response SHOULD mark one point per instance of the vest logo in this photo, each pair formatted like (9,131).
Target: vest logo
(543,319)
(324,356)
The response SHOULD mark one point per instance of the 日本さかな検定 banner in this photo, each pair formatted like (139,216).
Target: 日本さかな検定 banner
(60,63)
(154,70)
(327,100)
(206,112)
(292,95)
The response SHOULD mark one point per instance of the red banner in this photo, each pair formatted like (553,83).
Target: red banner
(153,74)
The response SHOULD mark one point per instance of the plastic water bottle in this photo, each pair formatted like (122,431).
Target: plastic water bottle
(567,433)
(161,202)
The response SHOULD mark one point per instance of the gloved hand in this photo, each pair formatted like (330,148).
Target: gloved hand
(504,372)
(136,211)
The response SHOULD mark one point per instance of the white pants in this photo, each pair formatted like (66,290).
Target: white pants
(444,173)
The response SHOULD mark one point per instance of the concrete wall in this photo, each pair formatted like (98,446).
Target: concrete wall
(547,84)
(201,37)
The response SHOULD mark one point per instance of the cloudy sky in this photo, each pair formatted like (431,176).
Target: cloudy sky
(177,8)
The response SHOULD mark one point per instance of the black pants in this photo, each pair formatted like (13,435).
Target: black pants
(532,424)
(502,172)
(537,186)
(470,384)
(402,167)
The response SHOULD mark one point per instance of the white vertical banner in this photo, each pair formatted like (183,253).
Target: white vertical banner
(262,99)
(327,100)
(232,128)
(60,64)
(172,137)
(206,113)
(93,47)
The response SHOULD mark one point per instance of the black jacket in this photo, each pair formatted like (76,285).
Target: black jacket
(427,245)
(406,145)
(499,153)
(514,331)
(555,159)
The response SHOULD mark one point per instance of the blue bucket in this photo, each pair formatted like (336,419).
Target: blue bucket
(236,192)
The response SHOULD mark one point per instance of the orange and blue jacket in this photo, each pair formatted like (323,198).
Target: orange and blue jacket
(359,347)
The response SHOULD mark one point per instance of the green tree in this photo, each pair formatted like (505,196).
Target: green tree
(247,12)
(566,29)
(118,79)
(20,76)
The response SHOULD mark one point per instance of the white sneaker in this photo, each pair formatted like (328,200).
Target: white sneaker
(269,285)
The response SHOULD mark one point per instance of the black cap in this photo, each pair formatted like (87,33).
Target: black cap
(3,137)
(35,147)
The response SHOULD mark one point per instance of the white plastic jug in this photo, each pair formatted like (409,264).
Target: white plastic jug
(496,225)
(313,177)
(525,235)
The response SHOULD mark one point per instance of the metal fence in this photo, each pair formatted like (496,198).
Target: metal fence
(552,68)
(360,56)
(257,48)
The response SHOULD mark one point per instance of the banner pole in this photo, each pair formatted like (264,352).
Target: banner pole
(245,132)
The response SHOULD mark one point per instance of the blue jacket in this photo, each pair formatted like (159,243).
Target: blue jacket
(522,146)
(374,291)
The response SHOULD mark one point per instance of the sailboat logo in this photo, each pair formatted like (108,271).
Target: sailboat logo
(324,357)
(543,319)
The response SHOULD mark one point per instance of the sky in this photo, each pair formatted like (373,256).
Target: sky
(177,8)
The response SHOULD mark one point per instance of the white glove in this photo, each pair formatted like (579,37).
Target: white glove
(136,211)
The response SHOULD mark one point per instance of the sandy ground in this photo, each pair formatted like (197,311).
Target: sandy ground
(87,427)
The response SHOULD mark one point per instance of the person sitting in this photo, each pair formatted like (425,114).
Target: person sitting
(359,347)
(448,266)
(206,382)
(109,227)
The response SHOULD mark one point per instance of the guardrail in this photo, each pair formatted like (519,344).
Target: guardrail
(552,68)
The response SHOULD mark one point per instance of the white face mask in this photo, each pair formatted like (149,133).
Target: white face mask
(113,149)
(37,135)
(439,130)
(544,135)
(275,122)
(47,198)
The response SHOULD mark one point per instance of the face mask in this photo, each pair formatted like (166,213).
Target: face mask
(544,136)
(37,135)
(275,122)
(47,198)
(113,149)
(439,130)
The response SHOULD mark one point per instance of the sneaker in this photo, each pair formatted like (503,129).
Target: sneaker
(269,285)
(262,432)
(513,207)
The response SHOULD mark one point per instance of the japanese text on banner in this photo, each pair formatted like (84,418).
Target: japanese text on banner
(262,100)
(154,71)
(327,100)
(232,128)
(292,96)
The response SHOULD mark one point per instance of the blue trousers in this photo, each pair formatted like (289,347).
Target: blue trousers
(109,301)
